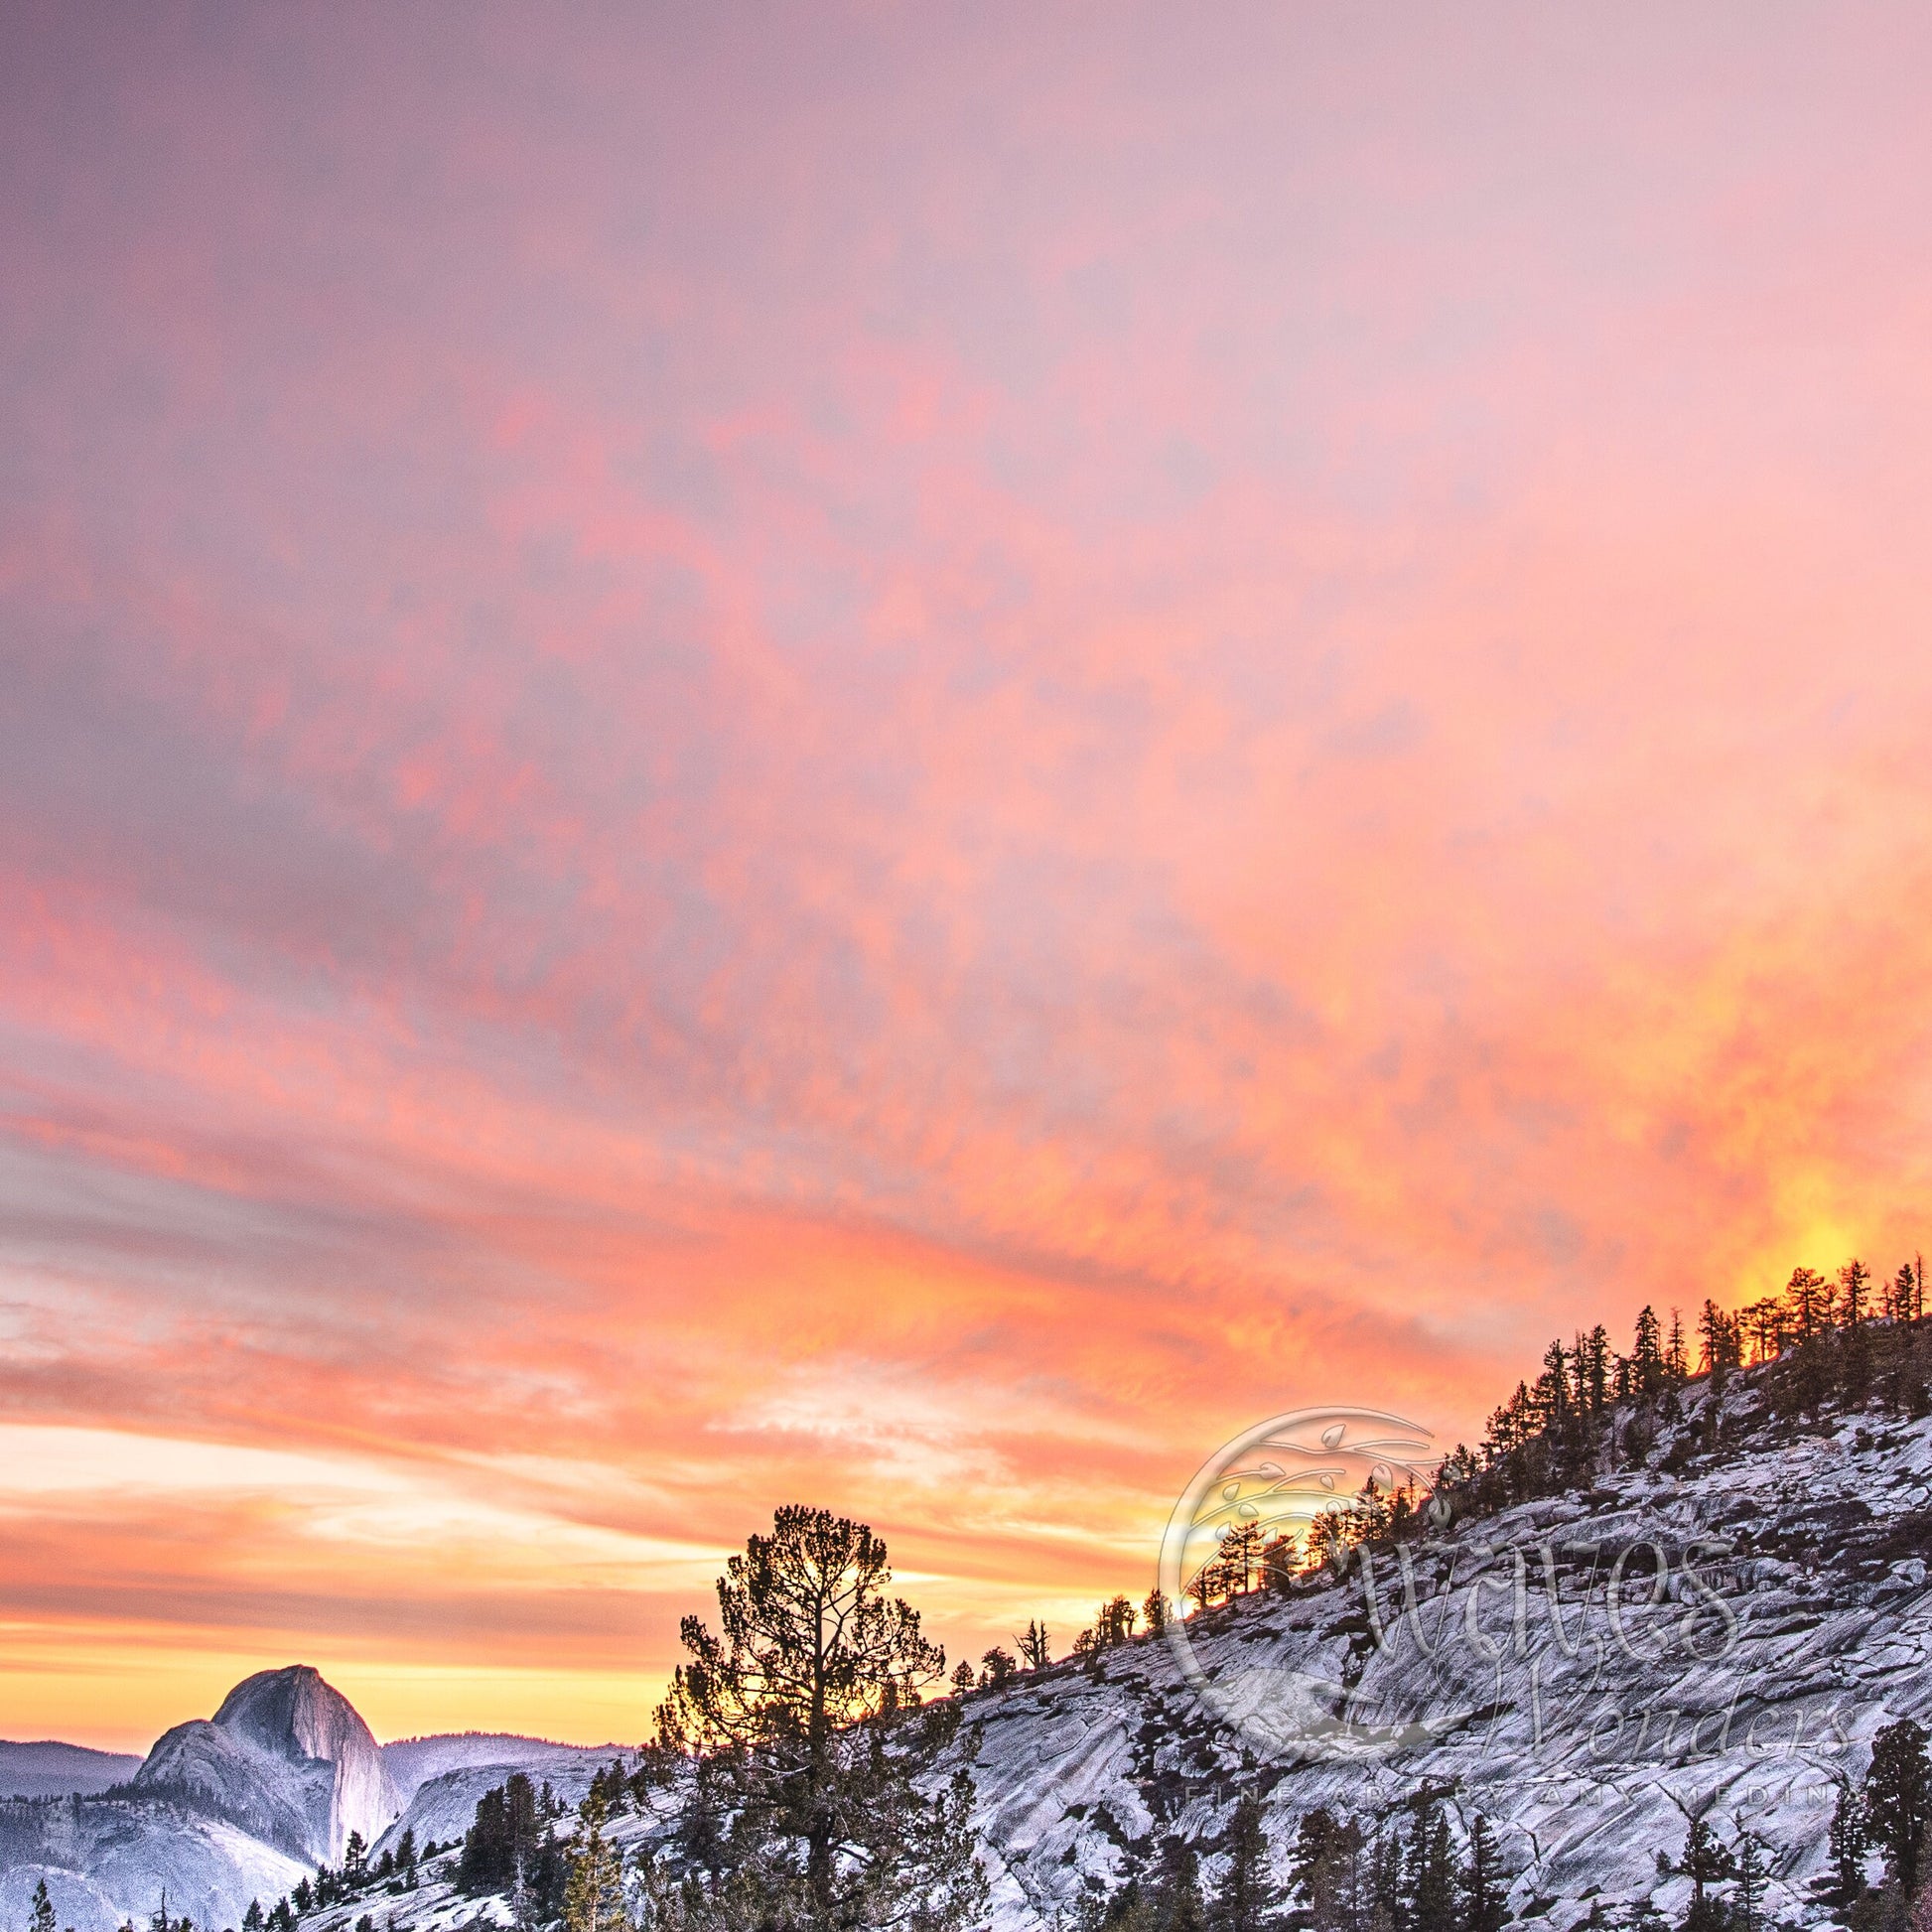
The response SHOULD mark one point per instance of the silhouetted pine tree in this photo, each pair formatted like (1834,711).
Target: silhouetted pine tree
(1898,1800)
(1807,1296)
(1240,1556)
(1485,1890)
(1647,1372)
(1706,1863)
(1326,1867)
(1846,1842)
(1677,1361)
(804,1714)
(1247,1897)
(997,1667)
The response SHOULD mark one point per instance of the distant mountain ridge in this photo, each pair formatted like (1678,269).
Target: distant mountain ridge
(415,1762)
(50,1769)
(241,1806)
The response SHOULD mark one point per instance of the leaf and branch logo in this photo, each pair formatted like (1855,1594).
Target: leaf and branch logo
(1295,1491)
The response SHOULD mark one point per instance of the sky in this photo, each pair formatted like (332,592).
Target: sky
(906,757)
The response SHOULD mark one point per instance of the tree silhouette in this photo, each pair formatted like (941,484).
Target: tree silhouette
(1706,1864)
(1647,1355)
(1898,1799)
(1279,1567)
(1247,1896)
(1807,1297)
(1675,1357)
(1485,1890)
(1847,1841)
(804,1714)
(1854,1291)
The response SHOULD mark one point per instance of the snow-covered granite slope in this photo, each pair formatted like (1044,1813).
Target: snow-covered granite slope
(413,1761)
(443,1807)
(109,1859)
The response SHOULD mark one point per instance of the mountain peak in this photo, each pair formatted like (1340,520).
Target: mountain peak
(287,1757)
(294,1713)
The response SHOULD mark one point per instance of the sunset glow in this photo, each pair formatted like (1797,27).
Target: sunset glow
(862,759)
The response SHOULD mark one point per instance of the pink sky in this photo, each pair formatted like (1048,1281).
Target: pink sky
(906,757)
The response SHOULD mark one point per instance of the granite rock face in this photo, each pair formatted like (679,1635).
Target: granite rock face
(109,1859)
(1708,1633)
(414,1763)
(442,1807)
(223,1810)
(286,1759)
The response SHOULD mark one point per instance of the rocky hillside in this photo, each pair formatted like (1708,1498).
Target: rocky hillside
(1589,1726)
(442,1807)
(413,1762)
(109,1858)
